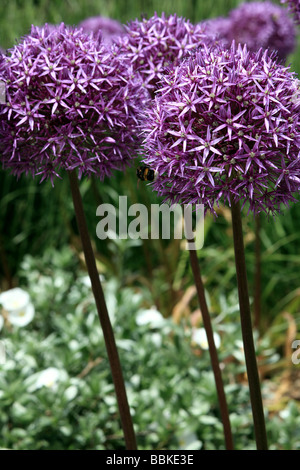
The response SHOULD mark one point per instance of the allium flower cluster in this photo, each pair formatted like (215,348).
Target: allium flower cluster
(153,44)
(217,28)
(110,29)
(257,24)
(294,7)
(225,124)
(70,103)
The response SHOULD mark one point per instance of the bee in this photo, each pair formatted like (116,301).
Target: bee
(145,173)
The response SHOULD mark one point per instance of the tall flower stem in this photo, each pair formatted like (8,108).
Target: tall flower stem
(108,334)
(257,279)
(212,348)
(247,332)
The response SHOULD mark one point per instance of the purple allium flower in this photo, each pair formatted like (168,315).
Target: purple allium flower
(70,103)
(154,43)
(217,27)
(257,24)
(294,7)
(226,123)
(109,28)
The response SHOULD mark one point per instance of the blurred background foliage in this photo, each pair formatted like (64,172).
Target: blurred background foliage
(37,220)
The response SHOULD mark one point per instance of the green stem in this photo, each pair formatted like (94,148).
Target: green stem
(108,334)
(212,349)
(247,332)
(257,279)
(5,265)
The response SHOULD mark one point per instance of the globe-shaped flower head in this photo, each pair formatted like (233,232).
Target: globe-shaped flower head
(154,43)
(109,28)
(294,7)
(70,103)
(225,124)
(257,24)
(217,27)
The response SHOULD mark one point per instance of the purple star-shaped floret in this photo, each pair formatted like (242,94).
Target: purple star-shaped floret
(70,103)
(238,139)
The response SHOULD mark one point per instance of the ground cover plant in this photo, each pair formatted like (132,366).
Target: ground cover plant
(56,391)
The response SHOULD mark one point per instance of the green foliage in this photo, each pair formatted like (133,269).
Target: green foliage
(80,411)
(18,15)
(170,387)
(43,215)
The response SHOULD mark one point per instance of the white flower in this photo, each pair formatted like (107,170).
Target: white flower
(16,303)
(189,441)
(156,339)
(86,281)
(151,317)
(14,299)
(48,378)
(199,337)
(71,392)
(23,316)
